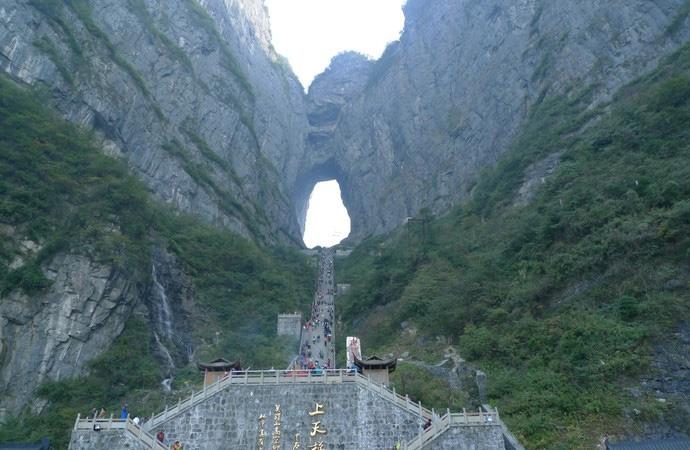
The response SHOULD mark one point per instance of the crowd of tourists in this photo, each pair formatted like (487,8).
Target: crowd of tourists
(317,352)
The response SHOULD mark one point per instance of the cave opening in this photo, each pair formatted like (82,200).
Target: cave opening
(327,221)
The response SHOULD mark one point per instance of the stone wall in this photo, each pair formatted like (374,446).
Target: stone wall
(290,325)
(469,438)
(104,439)
(353,417)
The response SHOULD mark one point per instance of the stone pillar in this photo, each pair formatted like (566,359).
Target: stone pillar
(290,325)
(480,378)
(342,288)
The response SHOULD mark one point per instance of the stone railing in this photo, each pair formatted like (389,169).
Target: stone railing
(109,424)
(441,424)
(291,377)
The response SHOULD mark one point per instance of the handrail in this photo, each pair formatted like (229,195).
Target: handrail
(440,424)
(106,424)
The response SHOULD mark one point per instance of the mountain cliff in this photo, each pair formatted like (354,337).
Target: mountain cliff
(449,98)
(150,222)
(190,94)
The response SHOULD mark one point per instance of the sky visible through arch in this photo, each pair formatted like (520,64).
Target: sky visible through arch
(327,220)
(310,32)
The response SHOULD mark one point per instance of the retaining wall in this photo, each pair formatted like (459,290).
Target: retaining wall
(104,440)
(469,438)
(354,418)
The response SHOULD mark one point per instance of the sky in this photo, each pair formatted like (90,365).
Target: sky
(310,32)
(327,220)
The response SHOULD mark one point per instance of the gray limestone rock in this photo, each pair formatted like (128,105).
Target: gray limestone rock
(190,94)
(53,335)
(193,96)
(450,97)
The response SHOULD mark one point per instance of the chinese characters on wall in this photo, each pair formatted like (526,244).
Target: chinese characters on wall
(317,432)
(262,432)
(276,427)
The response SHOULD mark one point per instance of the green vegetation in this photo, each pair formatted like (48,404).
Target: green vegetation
(59,191)
(126,372)
(422,386)
(560,301)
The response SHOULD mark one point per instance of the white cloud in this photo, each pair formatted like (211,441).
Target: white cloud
(310,32)
(327,220)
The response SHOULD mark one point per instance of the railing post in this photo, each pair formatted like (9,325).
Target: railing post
(407,401)
(481,416)
(421,412)
(165,412)
(261,379)
(246,377)
(191,400)
(110,422)
(277,376)
(76,423)
(496,411)
(464,413)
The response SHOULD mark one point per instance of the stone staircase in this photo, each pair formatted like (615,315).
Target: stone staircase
(440,424)
(127,425)
(293,377)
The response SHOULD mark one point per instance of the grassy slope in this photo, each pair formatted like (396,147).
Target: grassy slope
(559,301)
(57,189)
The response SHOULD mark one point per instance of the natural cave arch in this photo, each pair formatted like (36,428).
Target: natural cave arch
(329,170)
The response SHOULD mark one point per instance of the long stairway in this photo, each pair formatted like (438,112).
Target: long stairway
(133,430)
(317,347)
(315,365)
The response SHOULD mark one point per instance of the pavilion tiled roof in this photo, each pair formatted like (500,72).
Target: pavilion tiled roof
(220,365)
(375,362)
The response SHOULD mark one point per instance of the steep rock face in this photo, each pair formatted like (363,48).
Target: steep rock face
(329,93)
(53,335)
(83,311)
(192,95)
(171,307)
(451,95)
